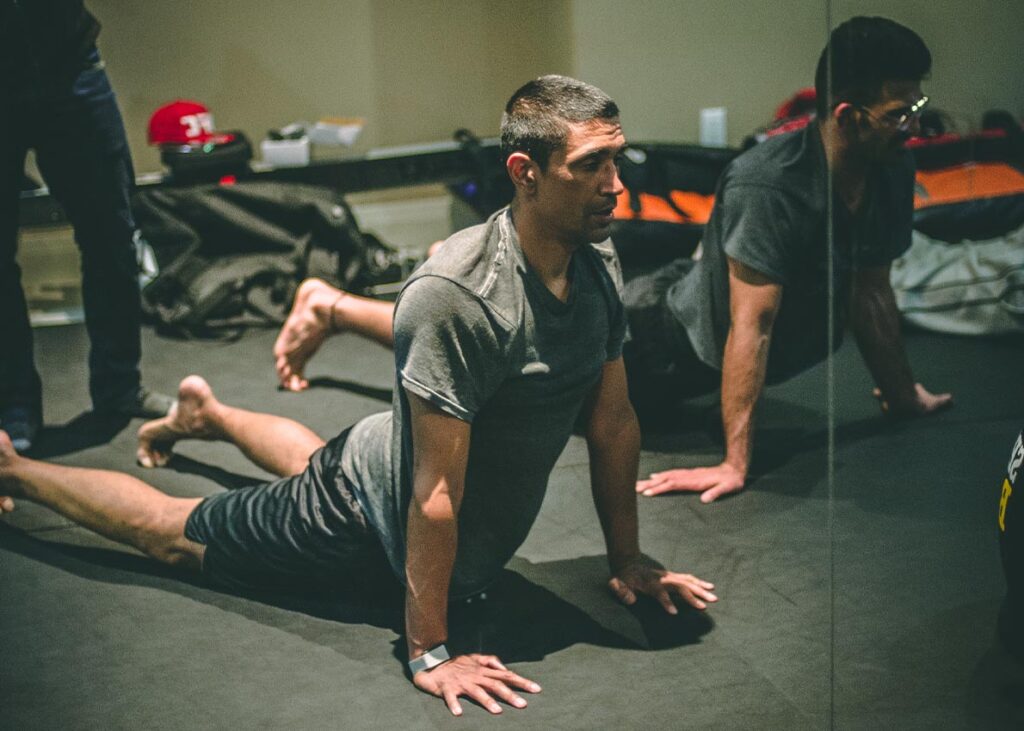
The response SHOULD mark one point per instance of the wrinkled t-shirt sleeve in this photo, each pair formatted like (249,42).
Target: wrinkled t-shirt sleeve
(757,229)
(446,347)
(618,327)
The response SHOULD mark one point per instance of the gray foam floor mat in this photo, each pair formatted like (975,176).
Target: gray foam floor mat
(870,607)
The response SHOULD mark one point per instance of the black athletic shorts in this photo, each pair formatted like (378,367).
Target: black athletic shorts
(661,363)
(297,533)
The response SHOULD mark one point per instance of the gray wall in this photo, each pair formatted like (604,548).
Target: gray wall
(417,69)
(663,60)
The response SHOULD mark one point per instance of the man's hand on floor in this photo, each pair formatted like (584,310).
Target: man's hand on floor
(644,575)
(481,678)
(922,403)
(711,482)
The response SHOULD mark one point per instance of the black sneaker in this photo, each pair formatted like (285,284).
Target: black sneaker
(22,425)
(143,403)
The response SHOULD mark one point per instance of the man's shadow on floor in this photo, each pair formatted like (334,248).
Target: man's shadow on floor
(520,620)
(88,429)
(360,389)
(788,431)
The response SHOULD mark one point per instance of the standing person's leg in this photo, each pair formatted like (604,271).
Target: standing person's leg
(321,310)
(278,445)
(113,504)
(20,387)
(83,155)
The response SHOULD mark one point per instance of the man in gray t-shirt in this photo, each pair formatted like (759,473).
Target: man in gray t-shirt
(755,308)
(505,340)
(479,337)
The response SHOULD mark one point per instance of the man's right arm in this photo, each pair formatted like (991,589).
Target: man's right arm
(754,302)
(440,453)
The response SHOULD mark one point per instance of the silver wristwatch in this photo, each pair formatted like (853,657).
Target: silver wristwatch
(430,659)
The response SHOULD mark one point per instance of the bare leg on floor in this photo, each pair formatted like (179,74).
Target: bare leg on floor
(113,504)
(321,310)
(279,445)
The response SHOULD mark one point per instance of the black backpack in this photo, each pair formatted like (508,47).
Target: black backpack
(216,259)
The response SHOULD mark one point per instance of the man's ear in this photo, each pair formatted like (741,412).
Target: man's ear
(523,171)
(843,113)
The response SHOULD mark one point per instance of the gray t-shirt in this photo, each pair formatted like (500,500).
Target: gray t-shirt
(771,214)
(479,335)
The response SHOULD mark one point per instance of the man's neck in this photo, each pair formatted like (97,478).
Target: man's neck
(848,169)
(547,256)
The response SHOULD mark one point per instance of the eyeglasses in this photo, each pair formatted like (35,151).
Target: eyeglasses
(900,119)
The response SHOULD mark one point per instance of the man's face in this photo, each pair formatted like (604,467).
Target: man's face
(576,192)
(881,137)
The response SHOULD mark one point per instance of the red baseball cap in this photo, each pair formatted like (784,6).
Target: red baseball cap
(184,122)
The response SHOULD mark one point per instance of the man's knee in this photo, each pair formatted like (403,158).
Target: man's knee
(178,551)
(162,537)
(175,556)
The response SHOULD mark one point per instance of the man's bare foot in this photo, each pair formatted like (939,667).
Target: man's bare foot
(307,326)
(7,457)
(189,418)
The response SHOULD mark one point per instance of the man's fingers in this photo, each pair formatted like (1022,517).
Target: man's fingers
(659,485)
(481,696)
(712,494)
(499,689)
(653,485)
(6,505)
(656,479)
(691,589)
(518,681)
(694,601)
(481,678)
(660,488)
(451,700)
(665,601)
(622,592)
(701,593)
(704,594)
(492,661)
(694,595)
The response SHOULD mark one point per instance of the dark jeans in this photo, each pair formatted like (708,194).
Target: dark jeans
(75,127)
(661,364)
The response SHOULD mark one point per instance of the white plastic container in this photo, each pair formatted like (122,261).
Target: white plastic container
(336,131)
(285,153)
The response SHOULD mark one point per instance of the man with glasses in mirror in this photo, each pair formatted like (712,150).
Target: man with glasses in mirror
(754,309)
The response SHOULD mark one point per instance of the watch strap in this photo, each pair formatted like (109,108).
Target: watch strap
(430,659)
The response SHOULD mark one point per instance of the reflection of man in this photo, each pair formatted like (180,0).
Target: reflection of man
(755,308)
(58,101)
(501,341)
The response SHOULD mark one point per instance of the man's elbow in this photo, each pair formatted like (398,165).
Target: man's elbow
(614,429)
(437,508)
